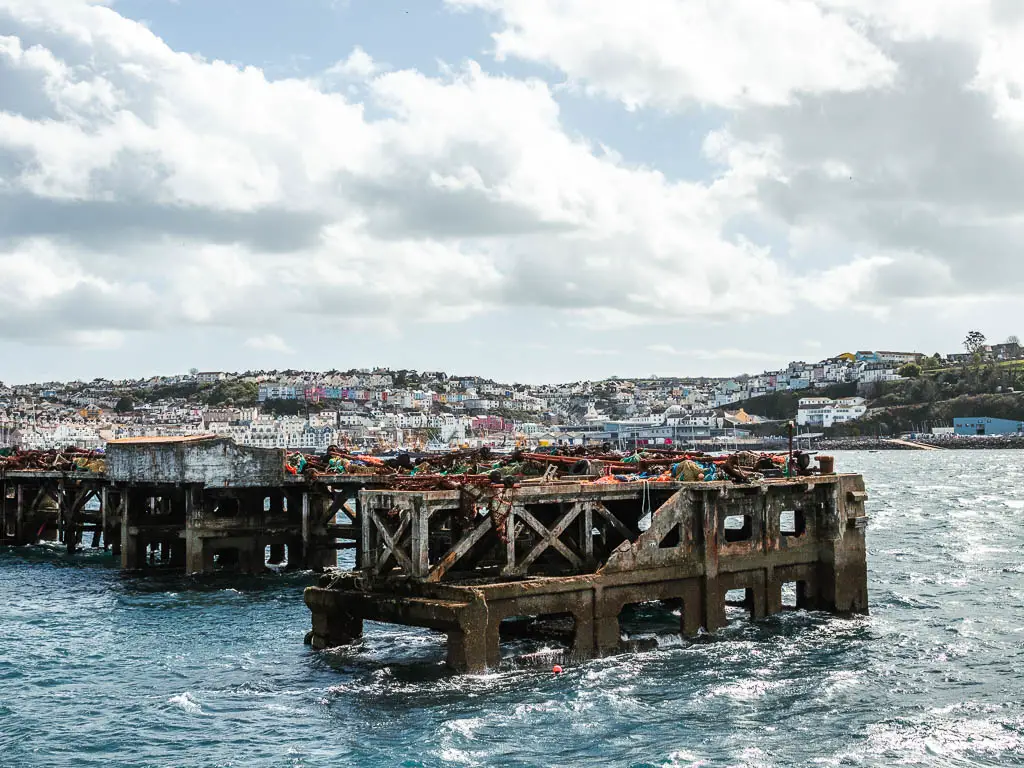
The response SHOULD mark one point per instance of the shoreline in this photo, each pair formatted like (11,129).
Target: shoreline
(941,442)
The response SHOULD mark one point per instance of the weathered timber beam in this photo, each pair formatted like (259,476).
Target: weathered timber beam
(391,548)
(461,547)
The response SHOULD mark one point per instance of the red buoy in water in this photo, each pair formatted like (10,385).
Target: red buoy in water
(556,669)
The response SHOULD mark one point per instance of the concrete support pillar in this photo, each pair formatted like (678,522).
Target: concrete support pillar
(321,556)
(333,625)
(132,547)
(198,553)
(467,651)
(690,614)
(4,514)
(757,599)
(842,565)
(583,634)
(712,596)
(69,513)
(607,633)
(773,596)
(475,642)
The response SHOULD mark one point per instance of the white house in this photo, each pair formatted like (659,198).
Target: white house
(824,412)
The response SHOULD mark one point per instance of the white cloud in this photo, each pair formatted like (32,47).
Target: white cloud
(269,342)
(670,53)
(891,131)
(146,188)
(358,65)
(241,200)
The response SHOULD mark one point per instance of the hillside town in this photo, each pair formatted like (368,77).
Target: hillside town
(386,409)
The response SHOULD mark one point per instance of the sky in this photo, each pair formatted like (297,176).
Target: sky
(529,190)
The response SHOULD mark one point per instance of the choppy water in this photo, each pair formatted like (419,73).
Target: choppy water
(97,669)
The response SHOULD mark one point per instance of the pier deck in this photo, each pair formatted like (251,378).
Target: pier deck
(190,504)
(463,562)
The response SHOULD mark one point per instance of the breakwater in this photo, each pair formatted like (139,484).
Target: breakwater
(948,442)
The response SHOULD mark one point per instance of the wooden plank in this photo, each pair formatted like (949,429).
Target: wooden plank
(306,523)
(104,501)
(462,546)
(419,533)
(588,530)
(350,512)
(368,546)
(510,541)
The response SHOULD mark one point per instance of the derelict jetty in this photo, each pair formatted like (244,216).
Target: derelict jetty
(475,546)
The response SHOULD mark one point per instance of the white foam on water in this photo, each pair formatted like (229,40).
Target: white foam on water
(681,759)
(745,690)
(186,702)
(464,727)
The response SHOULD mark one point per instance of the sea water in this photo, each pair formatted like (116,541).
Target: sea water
(102,669)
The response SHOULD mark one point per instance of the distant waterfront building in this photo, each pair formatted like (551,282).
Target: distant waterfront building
(824,411)
(210,377)
(981,425)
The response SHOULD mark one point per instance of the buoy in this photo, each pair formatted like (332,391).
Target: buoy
(556,669)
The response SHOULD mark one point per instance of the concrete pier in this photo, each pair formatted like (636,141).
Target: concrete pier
(191,504)
(466,562)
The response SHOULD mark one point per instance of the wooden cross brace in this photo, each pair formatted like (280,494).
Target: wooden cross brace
(549,538)
(461,548)
(392,543)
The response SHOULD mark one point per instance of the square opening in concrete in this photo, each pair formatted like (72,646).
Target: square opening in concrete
(789,595)
(537,640)
(792,522)
(739,603)
(736,597)
(646,625)
(738,528)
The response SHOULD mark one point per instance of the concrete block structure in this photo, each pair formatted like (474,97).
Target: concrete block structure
(465,562)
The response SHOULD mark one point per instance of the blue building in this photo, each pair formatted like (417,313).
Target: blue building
(980,425)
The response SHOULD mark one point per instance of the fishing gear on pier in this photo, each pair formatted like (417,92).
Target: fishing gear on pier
(70,459)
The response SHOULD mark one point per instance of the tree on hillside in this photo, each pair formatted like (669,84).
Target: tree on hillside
(124,405)
(233,393)
(910,370)
(1014,340)
(974,342)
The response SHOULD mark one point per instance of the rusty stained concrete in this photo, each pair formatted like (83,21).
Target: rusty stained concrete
(583,550)
(204,460)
